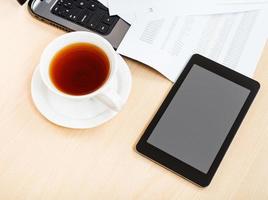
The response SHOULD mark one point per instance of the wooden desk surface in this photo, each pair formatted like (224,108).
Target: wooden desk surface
(39,160)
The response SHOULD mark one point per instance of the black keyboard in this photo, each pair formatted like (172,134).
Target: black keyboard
(90,14)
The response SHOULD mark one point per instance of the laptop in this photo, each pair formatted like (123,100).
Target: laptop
(80,15)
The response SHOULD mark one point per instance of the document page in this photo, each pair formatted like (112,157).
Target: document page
(167,43)
(129,9)
(205,7)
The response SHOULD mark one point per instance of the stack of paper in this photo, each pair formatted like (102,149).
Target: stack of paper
(165,34)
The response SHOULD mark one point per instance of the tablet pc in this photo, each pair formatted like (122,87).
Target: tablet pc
(198,119)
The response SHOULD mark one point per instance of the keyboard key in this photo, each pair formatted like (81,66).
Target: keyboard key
(92,25)
(60,2)
(72,17)
(64,12)
(93,22)
(92,5)
(84,17)
(108,19)
(74,14)
(67,4)
(81,3)
(56,9)
(103,28)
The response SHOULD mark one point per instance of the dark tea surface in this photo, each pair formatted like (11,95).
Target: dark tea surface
(79,69)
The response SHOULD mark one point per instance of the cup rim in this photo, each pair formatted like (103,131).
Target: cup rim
(72,38)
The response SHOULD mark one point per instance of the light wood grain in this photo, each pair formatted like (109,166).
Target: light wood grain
(39,160)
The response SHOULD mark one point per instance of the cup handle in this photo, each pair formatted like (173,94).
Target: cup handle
(110,98)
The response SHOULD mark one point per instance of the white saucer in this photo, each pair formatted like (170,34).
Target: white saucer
(93,114)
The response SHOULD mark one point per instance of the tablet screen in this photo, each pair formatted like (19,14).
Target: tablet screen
(197,121)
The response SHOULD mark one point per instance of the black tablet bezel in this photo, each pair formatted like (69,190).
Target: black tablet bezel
(177,165)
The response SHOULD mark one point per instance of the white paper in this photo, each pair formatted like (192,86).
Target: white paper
(166,44)
(129,9)
(193,7)
(132,6)
(242,1)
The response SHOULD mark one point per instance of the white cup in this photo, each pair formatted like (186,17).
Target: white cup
(106,94)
